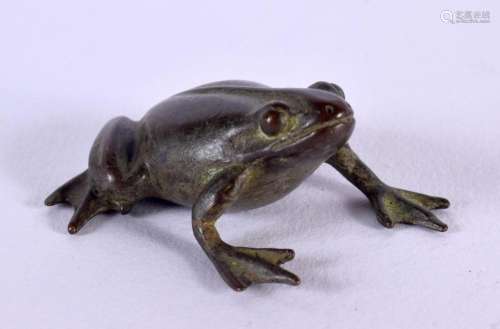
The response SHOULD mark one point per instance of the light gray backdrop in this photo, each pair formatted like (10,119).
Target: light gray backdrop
(426,98)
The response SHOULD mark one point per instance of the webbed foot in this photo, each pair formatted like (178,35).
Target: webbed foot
(394,206)
(77,193)
(240,266)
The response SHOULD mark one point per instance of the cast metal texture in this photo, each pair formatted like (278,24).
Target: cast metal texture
(230,146)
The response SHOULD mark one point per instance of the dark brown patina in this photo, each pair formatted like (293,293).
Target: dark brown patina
(233,145)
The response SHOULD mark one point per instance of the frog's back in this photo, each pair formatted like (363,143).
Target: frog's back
(231,84)
(187,136)
(203,103)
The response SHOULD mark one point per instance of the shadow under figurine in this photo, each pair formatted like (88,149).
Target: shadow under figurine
(233,145)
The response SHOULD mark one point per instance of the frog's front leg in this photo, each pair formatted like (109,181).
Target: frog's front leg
(391,205)
(238,266)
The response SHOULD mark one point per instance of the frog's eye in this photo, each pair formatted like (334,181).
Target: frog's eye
(271,122)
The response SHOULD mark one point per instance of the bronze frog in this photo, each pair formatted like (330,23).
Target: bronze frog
(227,146)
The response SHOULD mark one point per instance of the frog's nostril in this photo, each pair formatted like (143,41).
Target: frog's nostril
(329,109)
(330,112)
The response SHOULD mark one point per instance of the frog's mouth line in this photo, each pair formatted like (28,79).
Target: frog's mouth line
(290,141)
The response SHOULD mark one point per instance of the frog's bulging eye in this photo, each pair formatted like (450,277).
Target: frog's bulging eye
(271,122)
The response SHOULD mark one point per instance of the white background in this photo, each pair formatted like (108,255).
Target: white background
(427,102)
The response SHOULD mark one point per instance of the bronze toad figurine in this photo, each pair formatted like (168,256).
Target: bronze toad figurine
(233,145)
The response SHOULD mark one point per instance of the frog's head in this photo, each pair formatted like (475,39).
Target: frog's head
(307,123)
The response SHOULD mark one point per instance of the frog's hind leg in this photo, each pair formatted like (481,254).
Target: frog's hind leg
(391,205)
(77,192)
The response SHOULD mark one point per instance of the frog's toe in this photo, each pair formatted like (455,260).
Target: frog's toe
(241,267)
(71,192)
(54,198)
(271,255)
(426,201)
(393,207)
(77,193)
